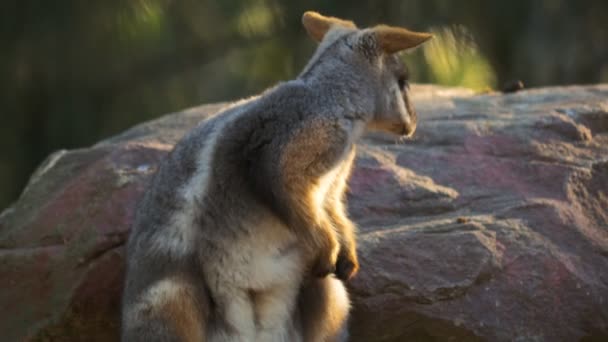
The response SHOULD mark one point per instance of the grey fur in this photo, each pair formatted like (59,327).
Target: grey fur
(229,242)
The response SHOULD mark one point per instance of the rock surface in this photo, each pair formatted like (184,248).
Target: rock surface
(491,224)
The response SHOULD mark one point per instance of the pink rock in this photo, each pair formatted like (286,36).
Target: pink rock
(491,224)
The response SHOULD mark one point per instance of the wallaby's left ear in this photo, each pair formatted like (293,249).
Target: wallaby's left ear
(393,39)
(317,25)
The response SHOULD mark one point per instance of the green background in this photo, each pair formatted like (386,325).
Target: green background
(73,72)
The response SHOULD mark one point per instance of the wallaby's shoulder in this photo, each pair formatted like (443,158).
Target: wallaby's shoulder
(285,97)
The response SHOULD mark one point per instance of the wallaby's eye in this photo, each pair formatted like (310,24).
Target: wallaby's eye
(402,82)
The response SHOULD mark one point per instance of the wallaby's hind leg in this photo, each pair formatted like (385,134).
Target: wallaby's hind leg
(323,304)
(171,309)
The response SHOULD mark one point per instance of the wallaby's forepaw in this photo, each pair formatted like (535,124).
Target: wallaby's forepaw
(347,265)
(322,269)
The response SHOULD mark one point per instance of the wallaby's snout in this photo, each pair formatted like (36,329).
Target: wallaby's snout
(406,129)
(400,118)
(410,120)
(403,129)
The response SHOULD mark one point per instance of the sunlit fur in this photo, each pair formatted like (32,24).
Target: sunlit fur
(238,233)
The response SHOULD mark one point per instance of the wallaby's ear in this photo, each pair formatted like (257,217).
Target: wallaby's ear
(317,25)
(393,39)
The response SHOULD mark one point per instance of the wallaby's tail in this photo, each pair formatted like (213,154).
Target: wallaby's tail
(323,307)
(172,309)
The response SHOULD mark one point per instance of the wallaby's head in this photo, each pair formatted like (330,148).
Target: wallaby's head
(366,61)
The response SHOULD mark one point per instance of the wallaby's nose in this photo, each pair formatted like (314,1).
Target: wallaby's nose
(408,129)
(408,126)
(410,122)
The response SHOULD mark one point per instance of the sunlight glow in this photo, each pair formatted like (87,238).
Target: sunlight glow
(454,59)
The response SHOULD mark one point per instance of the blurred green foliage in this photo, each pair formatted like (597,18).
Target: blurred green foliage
(73,72)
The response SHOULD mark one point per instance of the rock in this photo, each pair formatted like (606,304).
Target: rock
(491,224)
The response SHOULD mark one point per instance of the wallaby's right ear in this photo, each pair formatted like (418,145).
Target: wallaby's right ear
(317,25)
(394,39)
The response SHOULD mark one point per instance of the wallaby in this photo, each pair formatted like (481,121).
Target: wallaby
(241,228)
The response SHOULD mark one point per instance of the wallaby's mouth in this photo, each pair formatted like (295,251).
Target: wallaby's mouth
(409,126)
(402,129)
(409,130)
(405,129)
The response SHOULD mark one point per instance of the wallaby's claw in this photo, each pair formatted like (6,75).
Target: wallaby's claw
(346,267)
